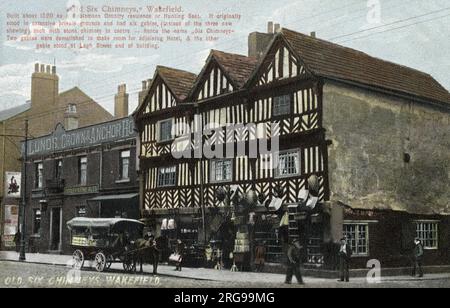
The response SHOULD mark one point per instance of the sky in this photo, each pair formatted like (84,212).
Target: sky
(414,33)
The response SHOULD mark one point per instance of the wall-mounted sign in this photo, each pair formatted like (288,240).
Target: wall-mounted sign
(62,140)
(81,190)
(10,225)
(12,185)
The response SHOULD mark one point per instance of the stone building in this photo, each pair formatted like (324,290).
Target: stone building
(85,172)
(374,135)
(47,107)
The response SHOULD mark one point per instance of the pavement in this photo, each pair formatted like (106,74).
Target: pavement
(223,276)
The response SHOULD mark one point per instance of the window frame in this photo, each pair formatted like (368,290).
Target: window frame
(355,249)
(164,180)
(122,158)
(213,174)
(159,124)
(72,108)
(80,170)
(284,114)
(297,152)
(58,169)
(39,175)
(423,230)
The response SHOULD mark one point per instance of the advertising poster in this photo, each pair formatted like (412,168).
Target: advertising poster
(13,184)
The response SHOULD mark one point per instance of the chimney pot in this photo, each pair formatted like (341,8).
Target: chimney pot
(49,69)
(36,68)
(270,27)
(42,68)
(54,70)
(313,34)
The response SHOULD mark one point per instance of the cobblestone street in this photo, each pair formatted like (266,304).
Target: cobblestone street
(15,274)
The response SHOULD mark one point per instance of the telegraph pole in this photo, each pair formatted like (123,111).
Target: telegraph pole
(24,196)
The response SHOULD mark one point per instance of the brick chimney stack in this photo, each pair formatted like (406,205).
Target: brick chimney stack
(121,102)
(258,42)
(44,87)
(145,86)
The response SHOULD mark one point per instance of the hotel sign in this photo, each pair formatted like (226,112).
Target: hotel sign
(81,190)
(62,140)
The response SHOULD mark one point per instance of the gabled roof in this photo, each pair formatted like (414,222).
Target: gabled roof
(179,82)
(329,60)
(12,112)
(237,67)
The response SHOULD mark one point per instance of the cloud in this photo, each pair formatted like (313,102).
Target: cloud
(15,80)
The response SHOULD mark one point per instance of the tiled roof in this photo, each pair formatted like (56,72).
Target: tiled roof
(330,60)
(238,67)
(9,113)
(180,82)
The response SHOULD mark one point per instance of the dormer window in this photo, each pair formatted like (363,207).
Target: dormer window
(72,108)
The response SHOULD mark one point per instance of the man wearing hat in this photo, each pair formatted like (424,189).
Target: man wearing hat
(294,260)
(418,255)
(345,254)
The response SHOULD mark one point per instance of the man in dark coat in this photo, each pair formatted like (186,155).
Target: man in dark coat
(345,254)
(294,260)
(418,256)
(18,240)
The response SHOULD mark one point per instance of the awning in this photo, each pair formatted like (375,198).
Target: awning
(82,222)
(114,197)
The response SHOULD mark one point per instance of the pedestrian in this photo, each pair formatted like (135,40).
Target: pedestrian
(345,254)
(260,256)
(418,256)
(179,250)
(17,240)
(294,260)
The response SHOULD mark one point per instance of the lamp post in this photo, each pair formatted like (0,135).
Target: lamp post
(22,256)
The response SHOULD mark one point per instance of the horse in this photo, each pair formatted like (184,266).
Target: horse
(148,249)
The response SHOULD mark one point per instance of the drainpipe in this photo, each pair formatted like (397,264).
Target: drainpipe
(100,181)
(2,183)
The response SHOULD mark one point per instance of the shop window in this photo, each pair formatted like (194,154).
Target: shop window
(358,238)
(37,217)
(427,232)
(167,176)
(282,105)
(82,170)
(288,164)
(39,177)
(125,165)
(221,170)
(165,130)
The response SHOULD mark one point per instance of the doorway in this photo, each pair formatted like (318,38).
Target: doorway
(55,229)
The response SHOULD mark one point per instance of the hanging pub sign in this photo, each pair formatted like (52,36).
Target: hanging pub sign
(12,185)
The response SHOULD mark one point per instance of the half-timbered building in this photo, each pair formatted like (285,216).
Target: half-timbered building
(342,117)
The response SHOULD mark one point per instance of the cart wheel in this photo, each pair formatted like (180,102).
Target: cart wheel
(128,264)
(100,262)
(109,261)
(78,259)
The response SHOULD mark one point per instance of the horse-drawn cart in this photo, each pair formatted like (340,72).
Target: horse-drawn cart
(104,241)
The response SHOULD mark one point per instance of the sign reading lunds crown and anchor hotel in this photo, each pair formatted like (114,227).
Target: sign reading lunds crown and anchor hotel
(62,140)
